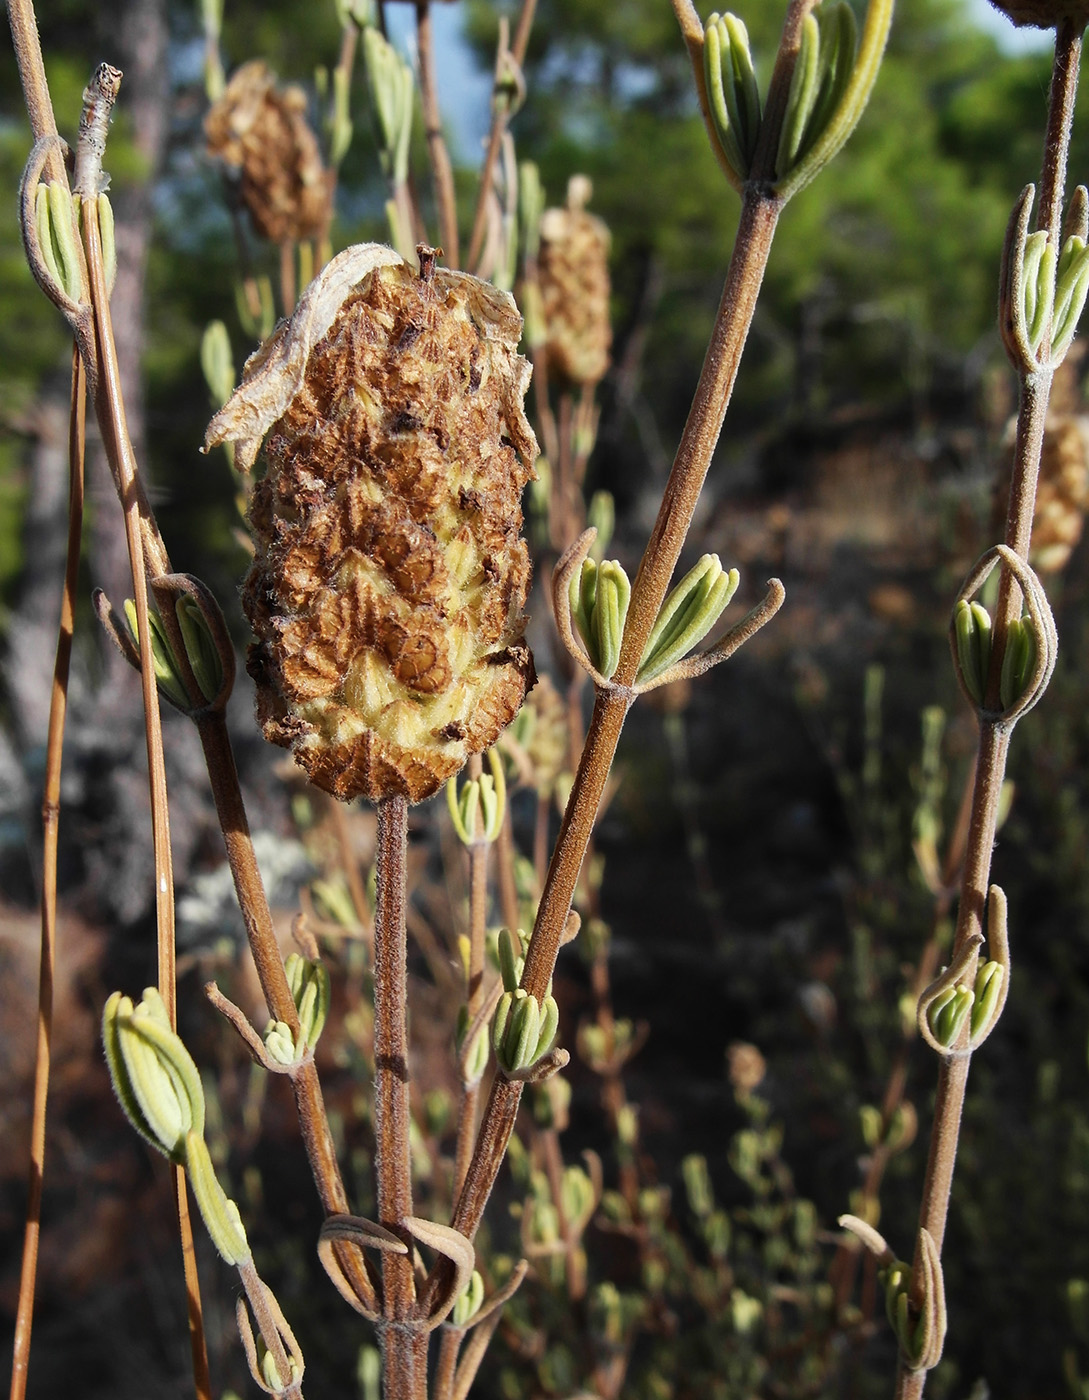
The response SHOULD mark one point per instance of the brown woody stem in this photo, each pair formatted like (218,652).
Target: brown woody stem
(441,169)
(403,1342)
(500,119)
(759,215)
(39,105)
(994,736)
(231,812)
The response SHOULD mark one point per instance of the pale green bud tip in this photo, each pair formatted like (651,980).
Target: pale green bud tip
(154,1077)
(972,631)
(389,82)
(469,1301)
(1071,288)
(218,1211)
(200,647)
(732,92)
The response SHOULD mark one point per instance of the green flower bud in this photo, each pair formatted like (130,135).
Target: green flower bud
(687,615)
(972,627)
(1038,286)
(531,205)
(1071,288)
(154,1077)
(310,991)
(828,96)
(732,91)
(601,516)
(1018,660)
(511,959)
(697,1185)
(745,1312)
(524,1030)
(55,214)
(988,990)
(600,594)
(578,1197)
(822,71)
(280,1044)
(947,1013)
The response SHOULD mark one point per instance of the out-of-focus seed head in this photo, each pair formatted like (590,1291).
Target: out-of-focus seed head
(574,280)
(389,575)
(1062,494)
(261,130)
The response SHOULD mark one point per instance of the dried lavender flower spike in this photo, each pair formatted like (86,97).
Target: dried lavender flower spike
(389,577)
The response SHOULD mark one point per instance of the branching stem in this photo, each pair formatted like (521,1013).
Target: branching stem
(994,736)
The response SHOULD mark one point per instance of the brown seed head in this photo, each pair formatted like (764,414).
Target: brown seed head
(574,279)
(1044,14)
(262,131)
(389,577)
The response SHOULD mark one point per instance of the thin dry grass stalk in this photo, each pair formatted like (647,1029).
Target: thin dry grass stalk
(58,711)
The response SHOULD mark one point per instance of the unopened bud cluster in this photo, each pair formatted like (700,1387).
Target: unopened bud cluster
(158,1086)
(972,629)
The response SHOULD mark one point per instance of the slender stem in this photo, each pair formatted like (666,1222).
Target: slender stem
(287,275)
(194,1312)
(478,908)
(500,119)
(39,105)
(994,738)
(759,215)
(404,1347)
(1060,122)
(111,414)
(441,169)
(508,890)
(58,710)
(313,1122)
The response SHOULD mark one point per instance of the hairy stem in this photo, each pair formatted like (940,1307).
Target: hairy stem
(404,1347)
(994,737)
(39,105)
(759,215)
(231,812)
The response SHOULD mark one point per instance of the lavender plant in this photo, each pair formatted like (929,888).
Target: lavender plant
(386,596)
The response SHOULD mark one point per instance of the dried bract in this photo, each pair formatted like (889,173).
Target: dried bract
(389,577)
(261,130)
(574,279)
